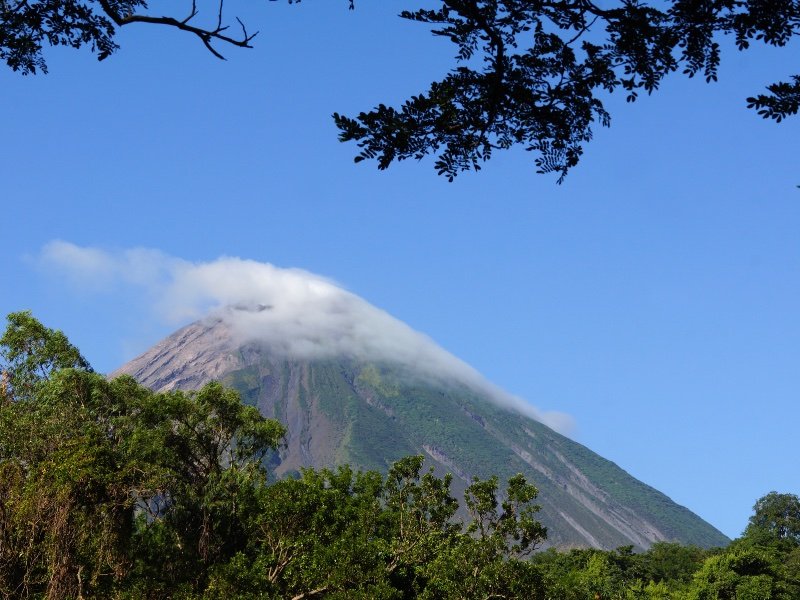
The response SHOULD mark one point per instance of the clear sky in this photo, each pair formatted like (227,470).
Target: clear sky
(653,296)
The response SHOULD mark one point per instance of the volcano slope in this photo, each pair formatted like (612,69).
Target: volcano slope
(369,414)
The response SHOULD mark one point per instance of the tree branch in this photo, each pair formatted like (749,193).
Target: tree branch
(311,593)
(207,36)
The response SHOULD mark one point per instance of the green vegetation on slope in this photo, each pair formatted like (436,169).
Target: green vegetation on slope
(476,436)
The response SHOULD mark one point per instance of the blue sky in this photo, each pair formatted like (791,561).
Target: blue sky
(652,296)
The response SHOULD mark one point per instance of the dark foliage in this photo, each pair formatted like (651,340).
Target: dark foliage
(27,26)
(530,73)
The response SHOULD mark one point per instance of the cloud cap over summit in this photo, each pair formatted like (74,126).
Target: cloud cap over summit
(292,312)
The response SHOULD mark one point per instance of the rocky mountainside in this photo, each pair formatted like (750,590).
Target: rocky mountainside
(369,414)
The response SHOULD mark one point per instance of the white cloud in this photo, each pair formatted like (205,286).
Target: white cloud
(81,265)
(291,311)
(145,267)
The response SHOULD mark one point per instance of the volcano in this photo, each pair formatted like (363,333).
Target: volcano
(341,407)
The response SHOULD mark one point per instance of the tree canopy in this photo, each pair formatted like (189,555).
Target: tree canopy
(777,516)
(532,73)
(528,73)
(110,490)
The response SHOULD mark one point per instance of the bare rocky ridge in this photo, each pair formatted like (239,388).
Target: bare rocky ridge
(190,357)
(369,415)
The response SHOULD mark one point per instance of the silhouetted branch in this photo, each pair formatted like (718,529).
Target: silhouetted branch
(206,35)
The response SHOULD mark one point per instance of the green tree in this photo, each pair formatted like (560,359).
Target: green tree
(485,561)
(110,490)
(317,535)
(670,562)
(420,511)
(744,574)
(73,468)
(651,591)
(582,575)
(777,516)
(343,534)
(30,352)
(104,482)
(211,465)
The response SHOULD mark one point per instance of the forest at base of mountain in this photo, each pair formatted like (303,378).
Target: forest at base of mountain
(111,490)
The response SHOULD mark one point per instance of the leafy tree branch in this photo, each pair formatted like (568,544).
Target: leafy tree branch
(534,73)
